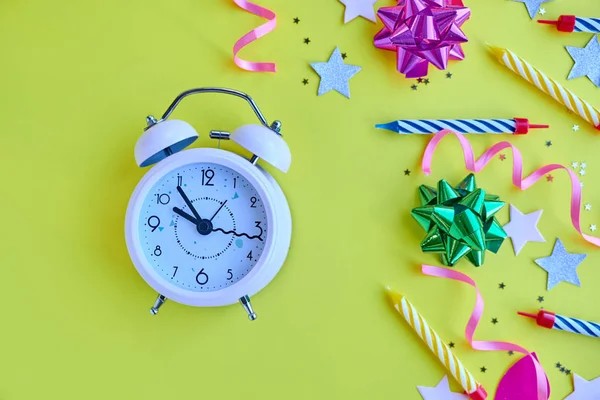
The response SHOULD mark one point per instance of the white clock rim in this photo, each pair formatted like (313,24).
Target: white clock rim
(248,285)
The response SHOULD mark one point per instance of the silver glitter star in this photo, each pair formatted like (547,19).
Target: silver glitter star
(588,207)
(532,6)
(561,266)
(335,74)
(587,61)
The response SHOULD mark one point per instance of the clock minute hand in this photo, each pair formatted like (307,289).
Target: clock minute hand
(189,203)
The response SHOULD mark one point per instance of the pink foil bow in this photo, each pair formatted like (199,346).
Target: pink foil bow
(254,35)
(517,174)
(423,32)
(526,379)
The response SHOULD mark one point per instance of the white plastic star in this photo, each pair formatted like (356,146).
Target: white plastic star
(588,207)
(532,6)
(592,227)
(584,390)
(522,228)
(542,11)
(574,164)
(586,61)
(359,8)
(581,184)
(582,172)
(575,128)
(440,392)
(335,74)
(582,164)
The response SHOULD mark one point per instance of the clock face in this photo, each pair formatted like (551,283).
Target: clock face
(203,227)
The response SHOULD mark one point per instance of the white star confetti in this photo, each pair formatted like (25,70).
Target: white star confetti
(588,207)
(592,227)
(575,164)
(583,165)
(581,184)
(575,128)
(542,11)
(582,172)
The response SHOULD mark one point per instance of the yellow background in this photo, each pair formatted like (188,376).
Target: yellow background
(77,80)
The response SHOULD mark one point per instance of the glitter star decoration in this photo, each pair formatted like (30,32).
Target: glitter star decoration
(575,128)
(583,389)
(335,74)
(588,207)
(542,11)
(440,392)
(522,228)
(561,265)
(593,227)
(586,61)
(532,6)
(359,8)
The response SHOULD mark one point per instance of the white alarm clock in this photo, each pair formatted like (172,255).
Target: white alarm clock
(206,227)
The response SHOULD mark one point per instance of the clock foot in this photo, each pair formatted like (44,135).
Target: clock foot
(245,302)
(160,300)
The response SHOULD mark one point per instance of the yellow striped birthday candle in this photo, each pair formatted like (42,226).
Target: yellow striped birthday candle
(547,85)
(437,346)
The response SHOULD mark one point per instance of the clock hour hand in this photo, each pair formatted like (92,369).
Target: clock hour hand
(185,215)
(189,203)
(239,234)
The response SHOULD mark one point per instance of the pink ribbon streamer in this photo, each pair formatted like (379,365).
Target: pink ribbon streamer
(254,35)
(543,391)
(517,174)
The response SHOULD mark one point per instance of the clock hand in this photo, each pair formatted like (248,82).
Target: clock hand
(238,234)
(185,215)
(188,202)
(215,214)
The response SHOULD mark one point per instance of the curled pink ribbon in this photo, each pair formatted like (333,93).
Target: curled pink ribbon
(517,174)
(515,388)
(253,35)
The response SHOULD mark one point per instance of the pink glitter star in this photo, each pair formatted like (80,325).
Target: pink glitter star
(550,178)
(502,157)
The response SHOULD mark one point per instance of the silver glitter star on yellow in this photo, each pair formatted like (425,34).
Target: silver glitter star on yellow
(335,74)
(561,265)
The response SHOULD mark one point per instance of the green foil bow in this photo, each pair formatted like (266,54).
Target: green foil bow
(459,221)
